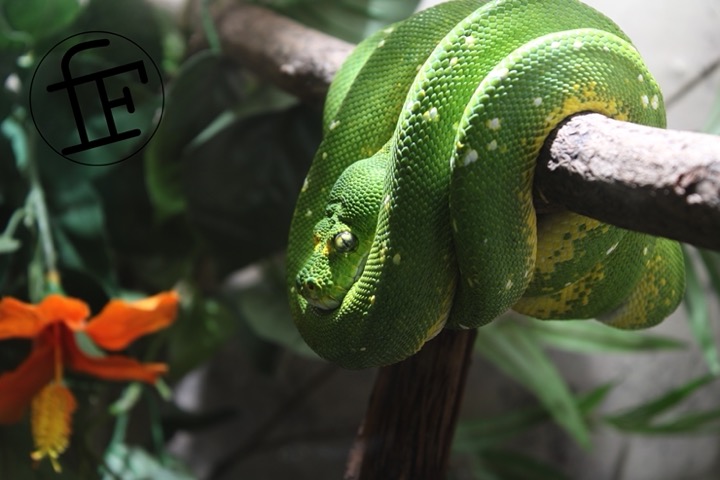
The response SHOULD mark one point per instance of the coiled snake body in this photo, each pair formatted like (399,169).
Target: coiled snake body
(417,212)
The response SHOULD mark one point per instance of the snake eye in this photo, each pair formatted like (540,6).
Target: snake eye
(345,242)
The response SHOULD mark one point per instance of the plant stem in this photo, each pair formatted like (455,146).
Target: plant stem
(39,207)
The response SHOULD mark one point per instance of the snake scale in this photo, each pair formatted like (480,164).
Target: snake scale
(417,212)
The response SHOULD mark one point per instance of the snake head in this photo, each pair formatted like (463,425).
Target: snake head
(335,264)
(343,237)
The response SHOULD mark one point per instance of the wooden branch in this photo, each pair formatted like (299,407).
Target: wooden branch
(661,182)
(285,53)
(410,420)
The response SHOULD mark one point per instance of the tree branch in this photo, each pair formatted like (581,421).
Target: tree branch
(413,409)
(656,181)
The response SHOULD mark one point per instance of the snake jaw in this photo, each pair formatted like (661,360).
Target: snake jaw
(319,296)
(323,303)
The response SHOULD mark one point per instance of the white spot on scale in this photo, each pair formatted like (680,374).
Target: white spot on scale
(413,105)
(493,124)
(470,157)
(305,185)
(324,155)
(577,45)
(389,30)
(492,145)
(308,213)
(502,72)
(537,101)
(555,45)
(655,102)
(509,284)
(396,259)
(431,115)
(362,349)
(645,250)
(612,249)
(372,299)
(334,124)
(381,43)
(469,40)
(641,78)
(453,61)
(645,100)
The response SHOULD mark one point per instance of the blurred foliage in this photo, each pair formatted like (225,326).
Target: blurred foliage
(205,208)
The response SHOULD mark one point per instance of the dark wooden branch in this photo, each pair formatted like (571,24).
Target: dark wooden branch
(295,58)
(413,409)
(661,182)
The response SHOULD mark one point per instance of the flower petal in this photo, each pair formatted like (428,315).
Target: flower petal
(19,319)
(112,367)
(120,323)
(17,388)
(70,311)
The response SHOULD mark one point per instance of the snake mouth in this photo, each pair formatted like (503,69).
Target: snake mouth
(325,301)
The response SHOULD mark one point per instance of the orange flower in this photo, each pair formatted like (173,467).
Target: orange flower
(53,324)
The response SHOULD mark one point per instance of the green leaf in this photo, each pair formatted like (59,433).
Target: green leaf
(713,124)
(129,398)
(592,337)
(711,260)
(183,121)
(509,465)
(242,186)
(40,18)
(200,329)
(137,20)
(479,434)
(79,232)
(644,418)
(260,295)
(698,315)
(8,245)
(515,350)
(351,20)
(194,130)
(134,463)
(17,136)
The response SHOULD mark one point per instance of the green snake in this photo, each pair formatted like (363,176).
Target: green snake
(417,212)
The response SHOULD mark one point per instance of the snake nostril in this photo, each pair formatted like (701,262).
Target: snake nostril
(306,286)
